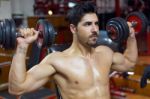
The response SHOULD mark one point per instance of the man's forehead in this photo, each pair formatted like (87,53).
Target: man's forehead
(90,17)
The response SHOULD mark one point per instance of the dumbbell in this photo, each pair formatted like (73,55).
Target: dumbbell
(9,33)
(145,77)
(118,29)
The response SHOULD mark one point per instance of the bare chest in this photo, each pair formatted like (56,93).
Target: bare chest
(85,72)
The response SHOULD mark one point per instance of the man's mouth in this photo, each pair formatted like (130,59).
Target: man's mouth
(94,36)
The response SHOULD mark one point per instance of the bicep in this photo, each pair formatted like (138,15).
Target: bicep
(37,76)
(120,62)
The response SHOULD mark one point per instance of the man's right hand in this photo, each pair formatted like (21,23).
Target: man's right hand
(28,35)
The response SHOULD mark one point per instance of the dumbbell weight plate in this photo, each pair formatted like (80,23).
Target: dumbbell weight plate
(141,21)
(51,34)
(7,34)
(13,34)
(1,32)
(48,34)
(43,36)
(125,27)
(114,29)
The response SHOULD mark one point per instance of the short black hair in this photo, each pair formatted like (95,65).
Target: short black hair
(79,10)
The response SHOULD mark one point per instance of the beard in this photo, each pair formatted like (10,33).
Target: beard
(92,43)
(92,40)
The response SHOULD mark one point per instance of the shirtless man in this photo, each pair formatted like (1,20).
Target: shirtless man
(81,71)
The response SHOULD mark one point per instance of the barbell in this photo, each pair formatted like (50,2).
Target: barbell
(9,33)
(118,29)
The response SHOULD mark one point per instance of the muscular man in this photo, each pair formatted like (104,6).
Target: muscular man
(81,71)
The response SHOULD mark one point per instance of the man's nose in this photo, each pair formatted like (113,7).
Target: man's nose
(95,28)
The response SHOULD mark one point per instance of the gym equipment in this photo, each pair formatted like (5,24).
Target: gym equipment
(118,29)
(145,77)
(103,39)
(3,64)
(139,21)
(3,86)
(9,33)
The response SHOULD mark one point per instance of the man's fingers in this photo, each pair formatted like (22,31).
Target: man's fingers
(26,32)
(131,29)
(35,33)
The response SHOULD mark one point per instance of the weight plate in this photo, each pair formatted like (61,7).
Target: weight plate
(114,29)
(4,34)
(7,28)
(43,35)
(1,32)
(140,20)
(51,34)
(124,26)
(13,34)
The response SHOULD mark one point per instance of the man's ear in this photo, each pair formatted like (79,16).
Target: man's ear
(73,28)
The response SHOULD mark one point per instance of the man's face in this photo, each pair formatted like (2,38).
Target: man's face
(88,29)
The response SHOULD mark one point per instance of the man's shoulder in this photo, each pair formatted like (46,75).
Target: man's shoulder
(53,58)
(103,48)
(58,60)
(105,53)
(55,55)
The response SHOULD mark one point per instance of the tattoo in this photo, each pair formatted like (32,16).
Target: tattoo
(22,50)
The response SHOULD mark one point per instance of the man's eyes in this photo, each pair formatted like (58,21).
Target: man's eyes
(90,23)
(97,23)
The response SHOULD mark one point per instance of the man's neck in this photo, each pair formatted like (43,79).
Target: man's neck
(82,49)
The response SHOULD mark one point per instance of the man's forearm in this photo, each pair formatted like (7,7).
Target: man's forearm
(131,52)
(17,73)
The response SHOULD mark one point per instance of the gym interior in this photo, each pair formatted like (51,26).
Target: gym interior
(27,13)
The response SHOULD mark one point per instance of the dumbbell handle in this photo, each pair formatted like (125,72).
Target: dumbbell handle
(133,23)
(18,34)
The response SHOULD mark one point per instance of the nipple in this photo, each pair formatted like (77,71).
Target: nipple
(76,82)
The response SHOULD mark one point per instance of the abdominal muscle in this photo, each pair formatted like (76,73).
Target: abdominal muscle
(95,92)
